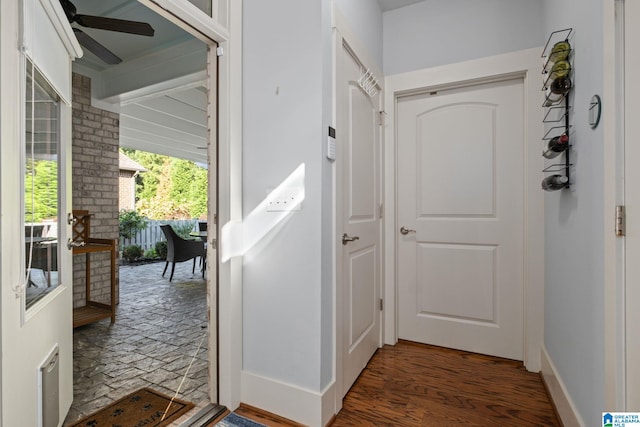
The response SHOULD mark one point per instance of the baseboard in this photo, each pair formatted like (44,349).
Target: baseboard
(562,401)
(314,409)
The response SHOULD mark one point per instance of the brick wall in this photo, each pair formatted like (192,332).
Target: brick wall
(95,185)
(127,190)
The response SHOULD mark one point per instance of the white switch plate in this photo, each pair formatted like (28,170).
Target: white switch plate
(286,199)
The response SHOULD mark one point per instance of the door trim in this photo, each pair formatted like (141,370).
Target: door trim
(615,339)
(526,64)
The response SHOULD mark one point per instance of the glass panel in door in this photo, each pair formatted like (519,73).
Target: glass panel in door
(41,178)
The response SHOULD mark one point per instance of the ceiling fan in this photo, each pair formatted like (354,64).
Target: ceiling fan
(102,23)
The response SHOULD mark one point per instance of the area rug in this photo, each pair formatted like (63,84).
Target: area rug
(144,407)
(235,420)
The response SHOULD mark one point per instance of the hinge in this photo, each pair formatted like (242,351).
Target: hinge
(220,51)
(381,304)
(381,117)
(381,211)
(621,221)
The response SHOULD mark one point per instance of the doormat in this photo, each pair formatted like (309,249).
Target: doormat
(235,420)
(144,407)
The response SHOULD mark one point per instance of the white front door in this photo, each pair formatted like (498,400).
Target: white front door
(632,202)
(460,181)
(35,198)
(358,219)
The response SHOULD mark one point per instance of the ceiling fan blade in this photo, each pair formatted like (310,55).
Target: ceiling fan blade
(96,48)
(111,24)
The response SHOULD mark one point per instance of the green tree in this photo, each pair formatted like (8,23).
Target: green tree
(41,190)
(171,188)
(198,193)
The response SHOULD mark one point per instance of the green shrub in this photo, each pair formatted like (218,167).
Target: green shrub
(130,223)
(132,252)
(183,230)
(151,253)
(161,249)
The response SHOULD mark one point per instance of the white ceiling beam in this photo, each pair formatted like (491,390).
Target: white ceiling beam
(171,64)
(199,156)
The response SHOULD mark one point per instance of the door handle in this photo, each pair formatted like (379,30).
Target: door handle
(404,230)
(346,238)
(71,244)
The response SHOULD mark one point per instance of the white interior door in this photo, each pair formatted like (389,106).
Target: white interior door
(358,218)
(460,205)
(632,202)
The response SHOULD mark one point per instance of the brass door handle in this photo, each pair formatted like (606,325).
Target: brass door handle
(346,238)
(404,230)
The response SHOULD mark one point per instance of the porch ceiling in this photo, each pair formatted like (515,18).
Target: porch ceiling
(159,88)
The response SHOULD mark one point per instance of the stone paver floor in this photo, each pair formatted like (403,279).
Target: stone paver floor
(158,328)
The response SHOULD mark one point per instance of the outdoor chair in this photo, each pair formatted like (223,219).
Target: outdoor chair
(179,250)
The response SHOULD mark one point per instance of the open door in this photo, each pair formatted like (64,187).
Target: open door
(358,215)
(36,265)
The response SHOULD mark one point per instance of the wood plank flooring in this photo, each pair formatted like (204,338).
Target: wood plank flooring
(413,384)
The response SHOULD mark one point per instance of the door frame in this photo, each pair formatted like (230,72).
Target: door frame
(615,286)
(525,64)
(342,34)
(225,304)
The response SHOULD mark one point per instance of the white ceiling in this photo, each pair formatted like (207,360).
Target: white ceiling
(387,5)
(160,87)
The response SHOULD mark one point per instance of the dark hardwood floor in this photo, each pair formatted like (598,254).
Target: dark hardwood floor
(413,384)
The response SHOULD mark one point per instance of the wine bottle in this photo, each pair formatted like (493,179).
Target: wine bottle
(558,89)
(556,145)
(554,182)
(561,85)
(560,51)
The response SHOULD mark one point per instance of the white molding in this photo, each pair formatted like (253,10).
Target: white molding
(524,63)
(558,392)
(191,18)
(230,209)
(295,403)
(613,176)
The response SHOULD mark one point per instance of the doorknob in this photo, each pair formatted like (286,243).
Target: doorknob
(346,239)
(73,244)
(404,230)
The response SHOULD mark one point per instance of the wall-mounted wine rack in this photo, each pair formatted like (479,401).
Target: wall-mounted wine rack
(557,76)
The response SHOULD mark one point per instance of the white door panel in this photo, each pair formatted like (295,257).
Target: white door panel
(358,200)
(460,185)
(362,308)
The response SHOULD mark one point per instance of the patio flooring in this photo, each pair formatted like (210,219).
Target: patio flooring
(158,328)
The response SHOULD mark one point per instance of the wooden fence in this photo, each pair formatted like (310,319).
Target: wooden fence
(148,237)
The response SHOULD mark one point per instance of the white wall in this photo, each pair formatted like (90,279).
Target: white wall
(364,18)
(438,32)
(286,92)
(574,294)
(288,283)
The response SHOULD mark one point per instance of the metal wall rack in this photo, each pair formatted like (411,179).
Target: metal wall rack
(557,117)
